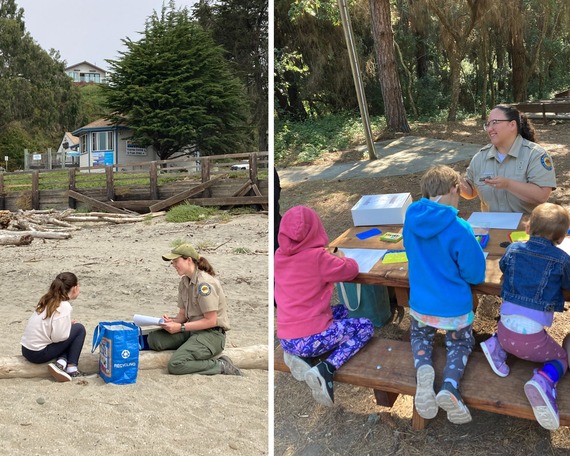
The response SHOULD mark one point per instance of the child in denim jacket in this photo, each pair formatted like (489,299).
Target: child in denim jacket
(534,273)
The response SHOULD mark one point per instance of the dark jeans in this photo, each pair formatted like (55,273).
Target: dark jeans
(69,348)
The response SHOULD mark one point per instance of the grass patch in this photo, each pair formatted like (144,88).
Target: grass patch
(241,251)
(189,213)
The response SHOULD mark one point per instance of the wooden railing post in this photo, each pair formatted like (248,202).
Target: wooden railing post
(153,171)
(2,194)
(206,165)
(205,169)
(109,183)
(35,189)
(253,168)
(72,202)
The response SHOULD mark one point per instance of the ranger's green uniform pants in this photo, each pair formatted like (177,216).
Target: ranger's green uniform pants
(194,350)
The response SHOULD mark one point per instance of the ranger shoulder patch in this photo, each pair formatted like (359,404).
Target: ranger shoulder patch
(546,162)
(204,289)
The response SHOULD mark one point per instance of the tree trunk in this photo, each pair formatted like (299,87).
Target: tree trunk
(518,52)
(395,111)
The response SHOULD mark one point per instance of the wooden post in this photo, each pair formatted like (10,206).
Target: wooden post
(205,171)
(2,194)
(35,189)
(109,183)
(72,202)
(253,168)
(153,170)
(206,164)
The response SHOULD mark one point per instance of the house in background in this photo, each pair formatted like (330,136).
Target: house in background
(104,144)
(86,72)
(68,150)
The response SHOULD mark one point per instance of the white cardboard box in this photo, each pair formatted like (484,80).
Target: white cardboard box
(388,209)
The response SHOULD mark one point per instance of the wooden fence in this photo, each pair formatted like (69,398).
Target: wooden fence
(142,187)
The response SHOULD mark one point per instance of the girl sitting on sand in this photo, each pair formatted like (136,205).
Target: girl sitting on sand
(52,334)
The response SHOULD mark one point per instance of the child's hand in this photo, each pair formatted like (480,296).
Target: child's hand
(336,252)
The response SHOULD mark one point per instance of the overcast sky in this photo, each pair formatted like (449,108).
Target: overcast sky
(89,30)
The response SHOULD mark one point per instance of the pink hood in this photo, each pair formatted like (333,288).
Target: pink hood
(300,229)
(305,273)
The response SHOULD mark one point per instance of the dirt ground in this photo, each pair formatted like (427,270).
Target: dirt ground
(355,425)
(121,273)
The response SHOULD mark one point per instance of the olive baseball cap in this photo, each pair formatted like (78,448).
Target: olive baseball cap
(185,250)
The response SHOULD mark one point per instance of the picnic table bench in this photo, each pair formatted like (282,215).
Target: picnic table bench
(387,367)
(543,107)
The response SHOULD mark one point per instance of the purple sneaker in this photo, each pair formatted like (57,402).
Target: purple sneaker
(541,393)
(496,356)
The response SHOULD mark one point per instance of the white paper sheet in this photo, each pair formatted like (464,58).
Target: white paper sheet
(565,245)
(366,258)
(145,320)
(497,220)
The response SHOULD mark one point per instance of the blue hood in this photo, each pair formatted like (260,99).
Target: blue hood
(444,259)
(427,219)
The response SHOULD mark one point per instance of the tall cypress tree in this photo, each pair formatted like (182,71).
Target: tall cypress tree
(174,88)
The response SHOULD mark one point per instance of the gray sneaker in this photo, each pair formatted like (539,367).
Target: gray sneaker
(450,400)
(227,366)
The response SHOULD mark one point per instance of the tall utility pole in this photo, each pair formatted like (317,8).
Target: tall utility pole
(360,95)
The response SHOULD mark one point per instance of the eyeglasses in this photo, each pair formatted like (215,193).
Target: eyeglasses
(493,123)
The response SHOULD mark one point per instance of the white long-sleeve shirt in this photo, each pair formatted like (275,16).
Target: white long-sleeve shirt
(41,331)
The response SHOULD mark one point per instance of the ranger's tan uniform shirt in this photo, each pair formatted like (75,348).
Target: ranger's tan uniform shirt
(200,294)
(525,162)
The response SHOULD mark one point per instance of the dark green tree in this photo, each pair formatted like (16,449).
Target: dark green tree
(175,89)
(241,27)
(37,99)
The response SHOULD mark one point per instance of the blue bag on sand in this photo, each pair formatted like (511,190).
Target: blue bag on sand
(366,301)
(120,343)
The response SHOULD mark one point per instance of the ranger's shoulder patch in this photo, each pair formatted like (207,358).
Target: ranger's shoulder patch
(204,289)
(546,162)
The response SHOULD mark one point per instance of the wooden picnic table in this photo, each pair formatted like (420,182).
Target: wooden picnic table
(387,366)
(396,274)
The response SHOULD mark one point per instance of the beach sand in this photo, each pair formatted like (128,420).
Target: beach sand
(121,274)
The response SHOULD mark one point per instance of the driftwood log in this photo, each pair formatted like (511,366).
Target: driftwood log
(252,357)
(16,239)
(37,234)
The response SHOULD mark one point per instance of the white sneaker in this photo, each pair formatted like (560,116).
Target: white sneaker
(58,374)
(424,400)
(297,365)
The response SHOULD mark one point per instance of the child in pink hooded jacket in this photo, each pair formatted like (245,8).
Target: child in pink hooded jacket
(307,326)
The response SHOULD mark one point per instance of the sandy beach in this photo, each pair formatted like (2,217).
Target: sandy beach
(121,274)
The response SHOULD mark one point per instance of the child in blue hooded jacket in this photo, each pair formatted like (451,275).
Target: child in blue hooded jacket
(445,259)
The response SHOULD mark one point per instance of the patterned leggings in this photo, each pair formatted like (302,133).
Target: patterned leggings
(345,336)
(458,343)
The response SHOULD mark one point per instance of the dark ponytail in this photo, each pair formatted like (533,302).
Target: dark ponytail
(58,292)
(203,265)
(524,125)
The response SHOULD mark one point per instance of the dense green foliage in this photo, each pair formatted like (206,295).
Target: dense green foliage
(38,101)
(453,55)
(307,140)
(241,27)
(176,91)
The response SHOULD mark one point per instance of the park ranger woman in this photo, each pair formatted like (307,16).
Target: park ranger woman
(198,332)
